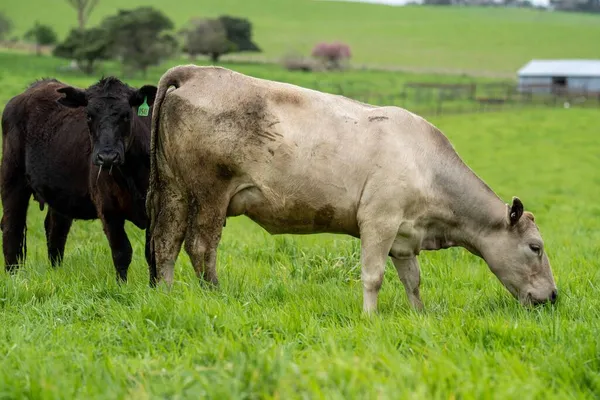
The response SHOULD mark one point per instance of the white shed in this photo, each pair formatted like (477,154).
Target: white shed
(544,76)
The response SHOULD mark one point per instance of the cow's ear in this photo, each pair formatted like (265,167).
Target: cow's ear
(146,92)
(515,211)
(73,97)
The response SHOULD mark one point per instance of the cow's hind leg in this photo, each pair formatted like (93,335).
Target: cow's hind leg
(410,275)
(167,236)
(207,218)
(57,229)
(376,242)
(15,201)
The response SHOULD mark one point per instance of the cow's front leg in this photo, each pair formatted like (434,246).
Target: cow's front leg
(375,247)
(57,229)
(203,236)
(410,275)
(114,228)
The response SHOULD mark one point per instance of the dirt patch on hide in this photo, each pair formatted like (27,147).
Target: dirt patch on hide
(286,97)
(324,216)
(377,118)
(251,120)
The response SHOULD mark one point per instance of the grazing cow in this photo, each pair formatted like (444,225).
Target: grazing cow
(299,161)
(84,153)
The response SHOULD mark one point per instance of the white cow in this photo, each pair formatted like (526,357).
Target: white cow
(300,161)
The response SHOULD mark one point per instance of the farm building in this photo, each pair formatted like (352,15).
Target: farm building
(566,76)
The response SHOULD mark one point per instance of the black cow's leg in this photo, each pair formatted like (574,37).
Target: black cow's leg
(114,227)
(57,229)
(15,200)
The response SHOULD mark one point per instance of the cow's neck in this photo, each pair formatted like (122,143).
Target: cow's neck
(465,211)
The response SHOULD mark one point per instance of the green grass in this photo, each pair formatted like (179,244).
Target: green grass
(490,40)
(287,323)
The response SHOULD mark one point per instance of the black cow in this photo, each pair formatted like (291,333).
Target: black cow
(84,153)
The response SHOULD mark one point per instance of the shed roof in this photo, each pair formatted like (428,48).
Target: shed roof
(588,68)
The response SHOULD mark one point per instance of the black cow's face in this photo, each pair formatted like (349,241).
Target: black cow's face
(109,105)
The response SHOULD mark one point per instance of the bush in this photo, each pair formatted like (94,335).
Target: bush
(333,55)
(297,62)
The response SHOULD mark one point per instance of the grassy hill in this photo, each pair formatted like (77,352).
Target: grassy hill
(495,41)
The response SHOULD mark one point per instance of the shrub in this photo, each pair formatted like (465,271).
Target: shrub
(297,62)
(333,55)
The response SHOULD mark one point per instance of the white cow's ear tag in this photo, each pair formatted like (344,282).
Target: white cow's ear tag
(143,108)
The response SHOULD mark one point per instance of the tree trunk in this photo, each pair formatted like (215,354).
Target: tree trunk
(81,17)
(214,57)
(38,49)
(88,67)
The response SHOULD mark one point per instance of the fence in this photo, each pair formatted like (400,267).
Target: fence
(429,98)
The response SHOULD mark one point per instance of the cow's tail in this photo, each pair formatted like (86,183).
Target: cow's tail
(175,76)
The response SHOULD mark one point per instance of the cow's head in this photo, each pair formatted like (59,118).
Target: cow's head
(110,106)
(516,255)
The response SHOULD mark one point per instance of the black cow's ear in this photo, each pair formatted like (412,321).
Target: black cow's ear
(146,92)
(73,97)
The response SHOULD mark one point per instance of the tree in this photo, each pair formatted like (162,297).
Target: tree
(84,8)
(239,32)
(86,47)
(207,36)
(5,26)
(216,37)
(41,35)
(139,37)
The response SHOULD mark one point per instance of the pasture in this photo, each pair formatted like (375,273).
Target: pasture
(483,41)
(286,321)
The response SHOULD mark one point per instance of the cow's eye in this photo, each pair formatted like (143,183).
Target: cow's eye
(537,249)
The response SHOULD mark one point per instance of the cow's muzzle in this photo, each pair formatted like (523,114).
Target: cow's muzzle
(536,301)
(108,158)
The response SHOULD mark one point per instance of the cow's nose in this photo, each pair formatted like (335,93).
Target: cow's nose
(108,158)
(553,296)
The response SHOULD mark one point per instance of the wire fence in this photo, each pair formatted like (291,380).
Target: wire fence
(430,98)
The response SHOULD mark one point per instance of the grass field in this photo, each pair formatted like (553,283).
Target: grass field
(287,323)
(474,40)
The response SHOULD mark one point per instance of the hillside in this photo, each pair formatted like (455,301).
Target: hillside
(496,41)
